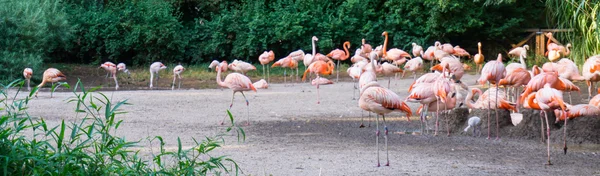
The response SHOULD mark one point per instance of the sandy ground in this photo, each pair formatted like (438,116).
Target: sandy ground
(290,134)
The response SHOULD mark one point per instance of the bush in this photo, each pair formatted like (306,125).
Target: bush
(89,146)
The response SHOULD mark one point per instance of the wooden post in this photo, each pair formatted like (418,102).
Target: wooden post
(540,44)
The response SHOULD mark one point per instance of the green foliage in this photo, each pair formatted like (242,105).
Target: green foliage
(89,146)
(30,32)
(582,17)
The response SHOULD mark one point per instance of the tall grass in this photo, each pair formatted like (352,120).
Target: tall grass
(582,16)
(89,147)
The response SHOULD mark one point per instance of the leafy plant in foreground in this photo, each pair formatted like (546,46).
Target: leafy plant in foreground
(89,147)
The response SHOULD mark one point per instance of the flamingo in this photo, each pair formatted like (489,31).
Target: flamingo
(396,55)
(595,101)
(381,101)
(310,58)
(448,48)
(177,74)
(454,67)
(354,72)
(261,84)
(154,69)
(519,51)
(112,70)
(538,82)
(417,50)
(488,100)
(264,59)
(223,65)
(426,78)
(241,66)
(474,122)
(321,81)
(286,62)
(441,105)
(51,75)
(424,94)
(358,56)
(297,56)
(517,78)
(428,55)
(566,69)
(122,67)
(338,55)
(368,75)
(319,67)
(574,112)
(479,58)
(27,73)
(237,83)
(413,65)
(389,70)
(547,99)
(492,72)
(365,48)
(591,72)
(460,52)
(439,51)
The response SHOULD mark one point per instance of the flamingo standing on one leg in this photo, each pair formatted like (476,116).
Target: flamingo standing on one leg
(479,58)
(154,69)
(51,75)
(381,101)
(492,72)
(395,55)
(177,74)
(319,67)
(287,62)
(264,59)
(237,83)
(338,55)
(112,70)
(27,73)
(574,112)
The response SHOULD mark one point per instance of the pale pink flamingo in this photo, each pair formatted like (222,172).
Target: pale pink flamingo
(297,56)
(154,69)
(517,78)
(111,68)
(424,94)
(428,55)
(177,75)
(512,66)
(574,112)
(241,66)
(319,67)
(595,101)
(591,72)
(414,65)
(51,75)
(519,51)
(365,48)
(358,56)
(264,59)
(439,52)
(395,55)
(448,48)
(237,83)
(492,72)
(426,78)
(479,58)
(460,52)
(446,105)
(261,84)
(286,62)
(122,67)
(389,70)
(566,69)
(27,73)
(340,55)
(368,74)
(454,68)
(381,101)
(493,98)
(537,82)
(354,72)
(550,46)
(321,81)
(417,50)
(547,99)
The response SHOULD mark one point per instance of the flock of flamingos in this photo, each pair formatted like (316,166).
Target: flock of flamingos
(438,90)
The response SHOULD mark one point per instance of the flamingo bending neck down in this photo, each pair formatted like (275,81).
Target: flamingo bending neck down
(27,73)
(177,75)
(51,75)
(154,69)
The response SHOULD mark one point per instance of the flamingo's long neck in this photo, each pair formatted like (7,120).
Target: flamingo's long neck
(469,101)
(346,52)
(219,82)
(532,104)
(479,49)
(549,39)
(522,61)
(314,51)
(385,42)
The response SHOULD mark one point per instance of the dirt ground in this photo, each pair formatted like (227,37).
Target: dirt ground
(290,134)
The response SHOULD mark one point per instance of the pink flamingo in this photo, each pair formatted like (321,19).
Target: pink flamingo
(338,55)
(519,51)
(417,50)
(381,101)
(492,72)
(297,56)
(354,72)
(517,78)
(574,112)
(319,67)
(424,94)
(261,84)
(591,72)
(264,59)
(446,105)
(51,75)
(396,55)
(595,101)
(488,100)
(237,83)
(537,82)
(365,48)
(460,52)
(414,65)
(241,66)
(547,99)
(27,73)
(428,55)
(223,65)
(389,70)
(453,66)
(321,81)
(112,70)
(286,62)
(566,69)
(177,74)
(368,75)
(426,78)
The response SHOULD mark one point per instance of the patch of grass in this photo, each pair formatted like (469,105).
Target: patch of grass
(89,147)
